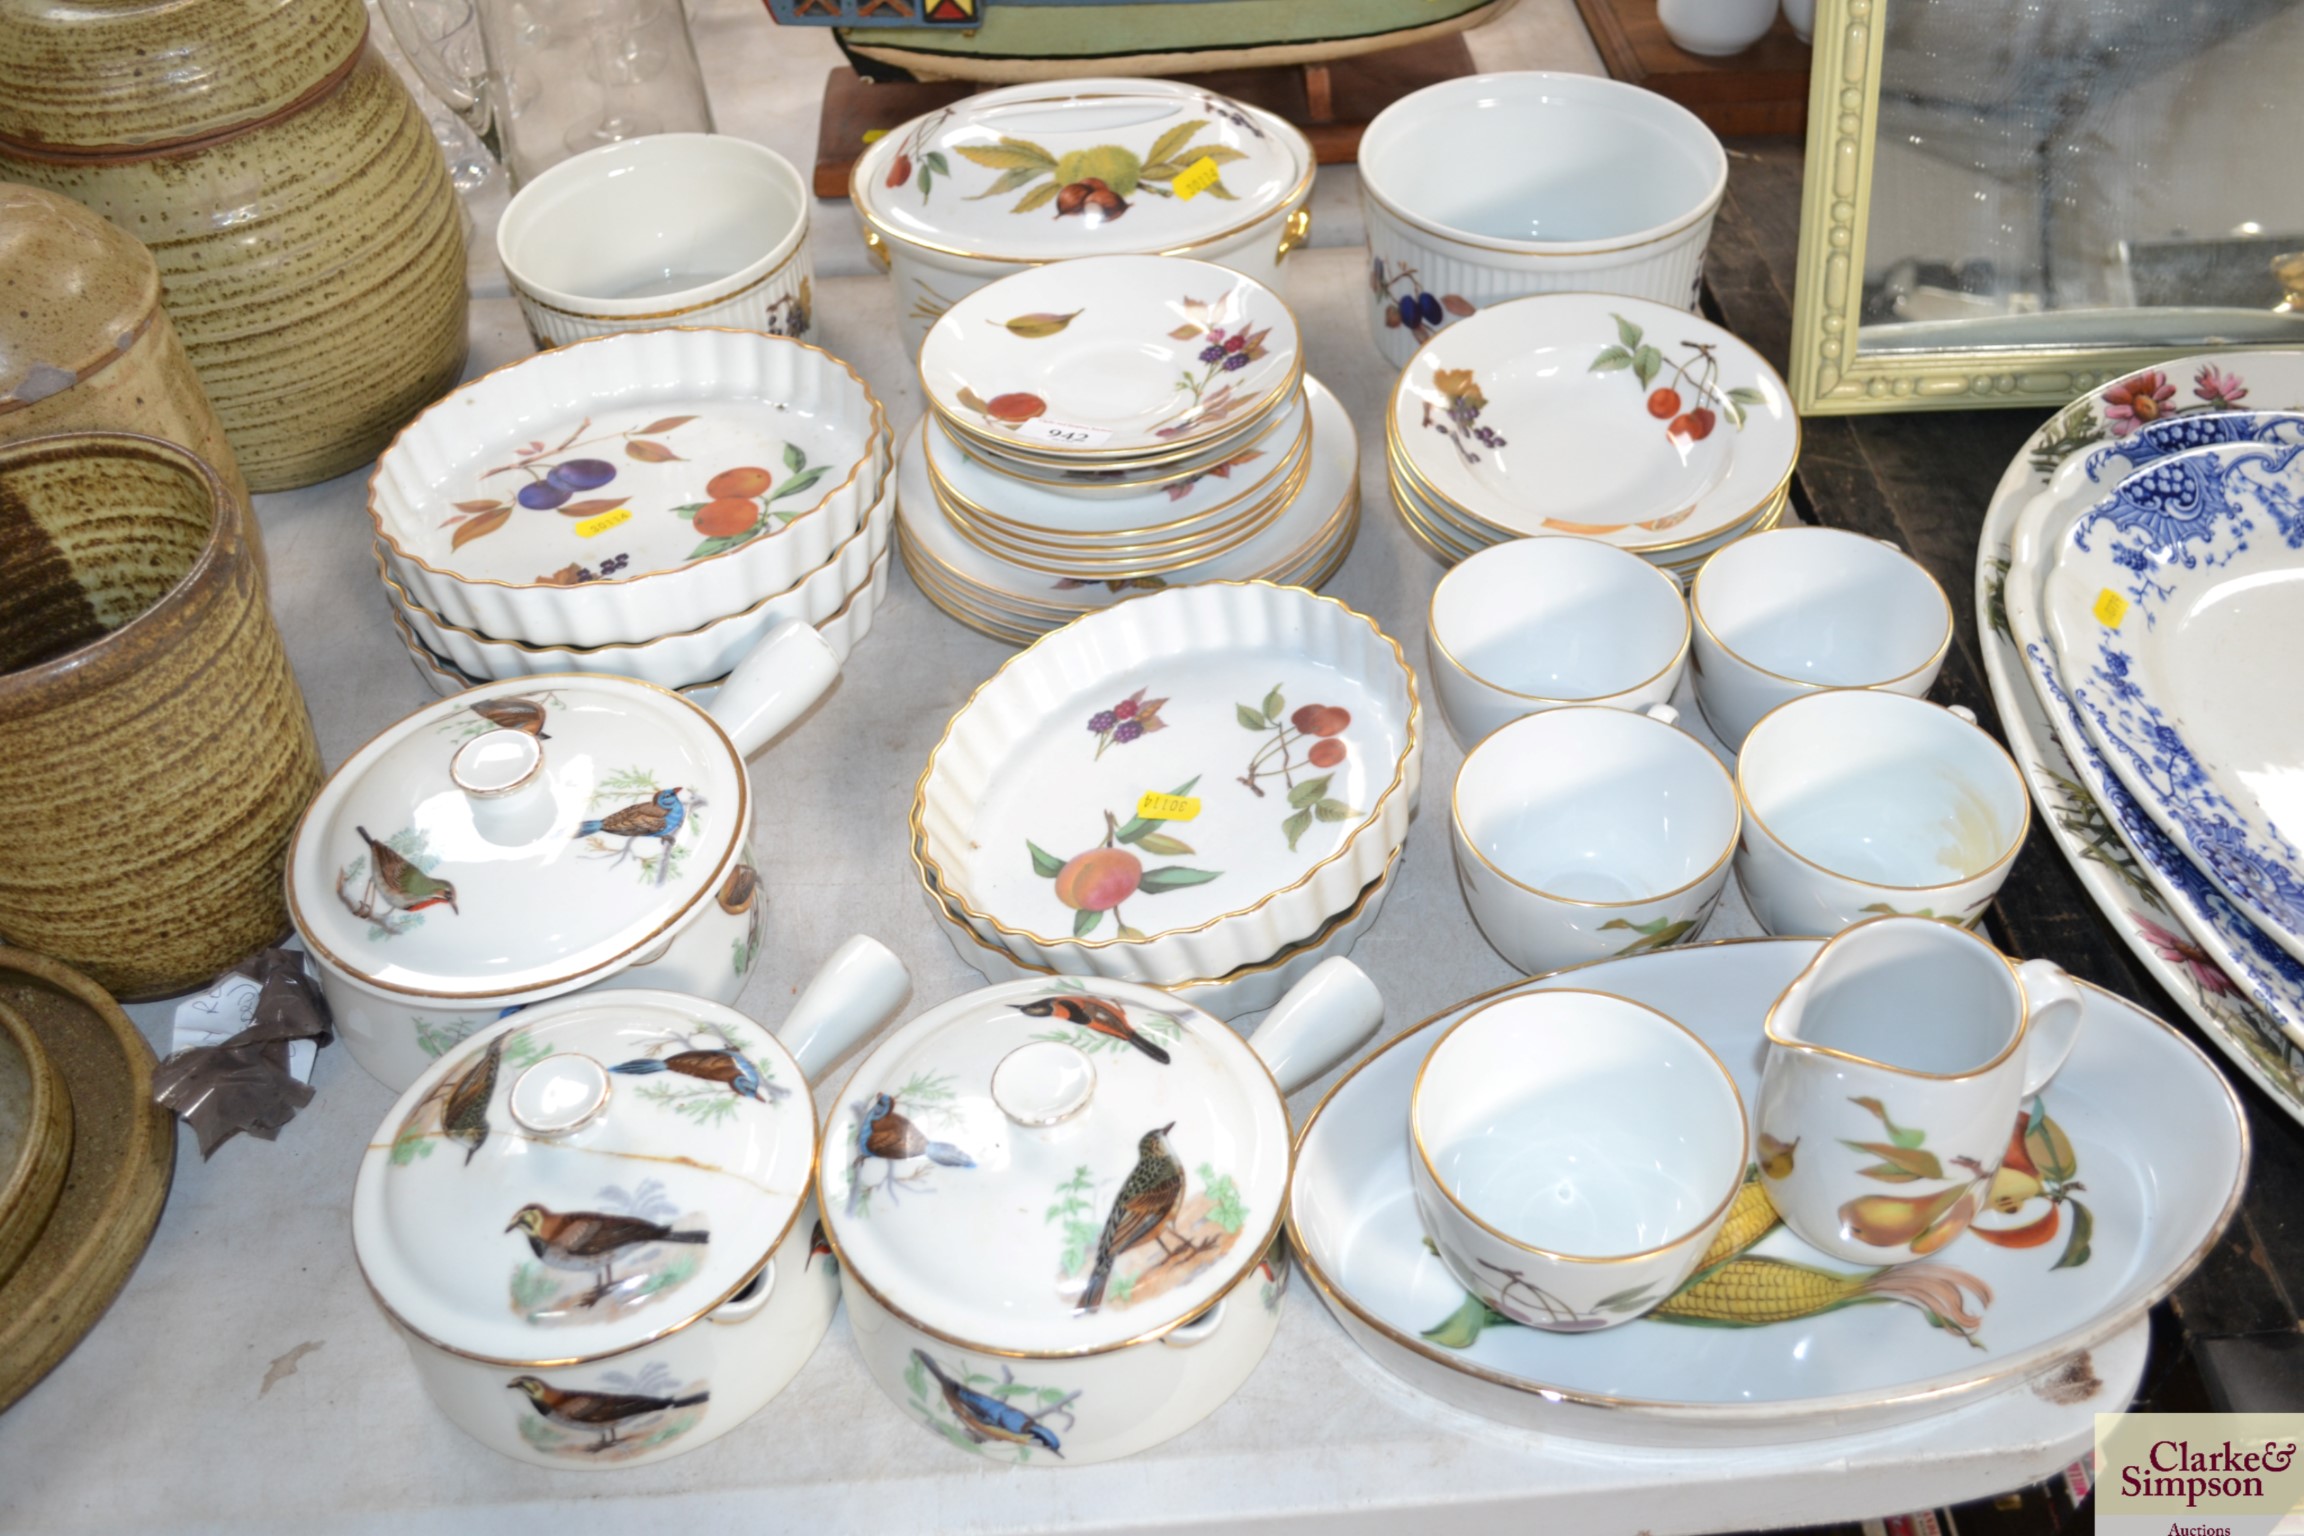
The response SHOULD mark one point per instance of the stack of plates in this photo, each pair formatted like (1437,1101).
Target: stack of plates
(1114,425)
(1615,418)
(1204,788)
(2143,566)
(645,504)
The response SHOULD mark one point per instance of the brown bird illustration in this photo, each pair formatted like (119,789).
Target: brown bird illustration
(597,1413)
(513,714)
(715,1064)
(464,1117)
(1096,1014)
(660,816)
(591,1241)
(738,891)
(1147,1202)
(404,885)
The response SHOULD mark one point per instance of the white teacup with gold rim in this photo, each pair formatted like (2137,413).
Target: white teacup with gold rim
(1861,804)
(1797,610)
(1573,1156)
(1533,624)
(1898,1066)
(1586,832)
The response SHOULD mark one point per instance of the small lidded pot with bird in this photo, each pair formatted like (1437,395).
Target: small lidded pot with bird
(1056,1204)
(593,1226)
(530,839)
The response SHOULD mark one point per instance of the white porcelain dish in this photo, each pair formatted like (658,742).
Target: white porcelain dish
(593,1228)
(1488,187)
(1797,610)
(1573,1155)
(2240,988)
(2141,1119)
(1109,359)
(663,229)
(1113,1164)
(2164,602)
(1860,804)
(669,477)
(1032,807)
(1269,436)
(1531,624)
(1585,832)
(1716,28)
(525,841)
(972,192)
(1611,417)
(674,661)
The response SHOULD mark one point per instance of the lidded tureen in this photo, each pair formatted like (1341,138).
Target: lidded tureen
(527,839)
(1057,1206)
(1058,169)
(593,1225)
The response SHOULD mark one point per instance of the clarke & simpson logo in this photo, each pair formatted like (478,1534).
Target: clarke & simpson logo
(2199,1474)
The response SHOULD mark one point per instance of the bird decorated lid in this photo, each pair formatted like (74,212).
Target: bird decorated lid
(517,840)
(595,1174)
(1065,168)
(1055,1166)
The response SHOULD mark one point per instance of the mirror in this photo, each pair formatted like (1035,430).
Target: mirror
(2010,203)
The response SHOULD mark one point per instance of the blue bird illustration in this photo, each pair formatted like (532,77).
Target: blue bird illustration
(718,1064)
(984,1417)
(660,816)
(884,1134)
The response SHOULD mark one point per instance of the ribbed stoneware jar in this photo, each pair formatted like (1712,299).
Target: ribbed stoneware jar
(152,735)
(84,342)
(311,251)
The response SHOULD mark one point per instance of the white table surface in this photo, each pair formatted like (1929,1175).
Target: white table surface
(245,1382)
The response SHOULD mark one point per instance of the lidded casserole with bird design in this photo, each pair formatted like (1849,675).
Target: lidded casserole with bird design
(1055,1167)
(516,843)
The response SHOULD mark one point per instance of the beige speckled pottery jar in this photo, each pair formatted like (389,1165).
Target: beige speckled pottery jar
(84,342)
(310,247)
(152,738)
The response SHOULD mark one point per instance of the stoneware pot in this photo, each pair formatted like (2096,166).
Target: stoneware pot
(1038,173)
(527,840)
(1056,1205)
(150,727)
(593,1226)
(311,250)
(84,342)
(35,1137)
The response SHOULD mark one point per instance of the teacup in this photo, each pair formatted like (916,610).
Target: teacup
(1535,623)
(1797,610)
(695,229)
(1574,1154)
(1898,1066)
(1584,833)
(1860,804)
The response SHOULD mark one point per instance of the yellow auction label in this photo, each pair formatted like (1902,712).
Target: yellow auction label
(592,526)
(2110,608)
(874,135)
(1154,807)
(1196,178)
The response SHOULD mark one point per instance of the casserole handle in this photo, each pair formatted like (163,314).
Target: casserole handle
(1323,1019)
(851,996)
(787,669)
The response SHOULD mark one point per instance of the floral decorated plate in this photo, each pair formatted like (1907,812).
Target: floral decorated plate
(1594,414)
(1111,358)
(628,486)
(2164,602)
(1085,483)
(2175,922)
(1176,786)
(2119,1179)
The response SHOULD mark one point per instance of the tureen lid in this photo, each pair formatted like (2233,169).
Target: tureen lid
(593,1175)
(1055,1166)
(518,837)
(1080,168)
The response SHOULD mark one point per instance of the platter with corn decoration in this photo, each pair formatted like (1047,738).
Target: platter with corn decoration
(2117,1181)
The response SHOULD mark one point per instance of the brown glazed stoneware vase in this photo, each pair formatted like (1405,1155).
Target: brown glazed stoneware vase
(150,727)
(310,246)
(84,343)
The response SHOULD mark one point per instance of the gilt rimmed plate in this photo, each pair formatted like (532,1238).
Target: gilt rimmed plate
(1176,786)
(2166,601)
(2136,1153)
(1601,415)
(2175,923)
(1111,358)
